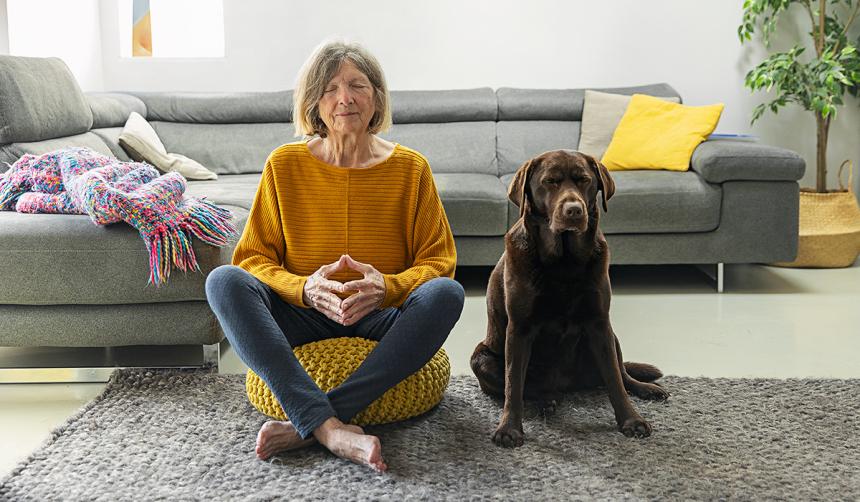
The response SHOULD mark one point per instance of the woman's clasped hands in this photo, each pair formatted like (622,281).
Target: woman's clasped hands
(320,291)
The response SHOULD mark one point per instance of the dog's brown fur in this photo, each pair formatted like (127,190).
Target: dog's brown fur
(548,301)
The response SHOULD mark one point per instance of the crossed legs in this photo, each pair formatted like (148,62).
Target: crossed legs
(263,329)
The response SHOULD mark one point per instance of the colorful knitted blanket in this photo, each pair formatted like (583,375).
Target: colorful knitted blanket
(82,181)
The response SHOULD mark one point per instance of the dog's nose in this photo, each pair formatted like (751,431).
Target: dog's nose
(572,209)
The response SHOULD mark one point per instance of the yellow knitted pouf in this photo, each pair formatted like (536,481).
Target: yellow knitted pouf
(330,361)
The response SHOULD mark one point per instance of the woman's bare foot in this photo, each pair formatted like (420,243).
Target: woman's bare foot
(276,436)
(350,444)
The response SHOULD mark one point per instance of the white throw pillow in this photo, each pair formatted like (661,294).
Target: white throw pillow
(601,113)
(142,144)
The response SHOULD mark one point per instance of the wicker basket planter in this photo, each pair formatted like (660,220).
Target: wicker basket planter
(829,228)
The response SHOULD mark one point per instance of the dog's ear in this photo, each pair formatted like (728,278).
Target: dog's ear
(518,191)
(605,182)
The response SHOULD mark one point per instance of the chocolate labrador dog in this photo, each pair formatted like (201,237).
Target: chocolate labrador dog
(548,301)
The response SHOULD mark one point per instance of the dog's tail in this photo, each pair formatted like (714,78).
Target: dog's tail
(642,371)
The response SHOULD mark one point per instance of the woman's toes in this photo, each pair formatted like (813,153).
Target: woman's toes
(373,453)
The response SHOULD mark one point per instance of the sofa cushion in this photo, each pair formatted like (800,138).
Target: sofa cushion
(110,137)
(225,148)
(519,141)
(87,139)
(218,107)
(229,189)
(459,105)
(655,202)
(54,259)
(140,140)
(111,109)
(40,99)
(475,204)
(561,104)
(656,134)
(455,147)
(601,114)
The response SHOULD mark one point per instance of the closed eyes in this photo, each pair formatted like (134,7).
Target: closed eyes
(555,181)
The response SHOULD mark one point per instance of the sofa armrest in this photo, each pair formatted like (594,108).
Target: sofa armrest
(723,160)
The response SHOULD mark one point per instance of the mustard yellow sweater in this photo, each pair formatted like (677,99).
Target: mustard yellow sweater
(307,213)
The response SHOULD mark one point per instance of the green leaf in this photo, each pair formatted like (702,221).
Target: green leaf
(817,83)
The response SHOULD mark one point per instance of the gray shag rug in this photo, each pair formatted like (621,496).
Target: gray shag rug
(181,435)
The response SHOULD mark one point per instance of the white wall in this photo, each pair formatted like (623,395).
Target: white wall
(4,30)
(691,44)
(61,28)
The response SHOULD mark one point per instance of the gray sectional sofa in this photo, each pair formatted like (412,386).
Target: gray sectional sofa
(67,282)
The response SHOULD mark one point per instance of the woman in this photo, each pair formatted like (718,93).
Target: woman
(346,237)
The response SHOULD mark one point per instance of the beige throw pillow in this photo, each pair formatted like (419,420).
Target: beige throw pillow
(601,113)
(142,144)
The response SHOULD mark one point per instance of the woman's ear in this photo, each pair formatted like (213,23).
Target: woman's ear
(518,191)
(605,182)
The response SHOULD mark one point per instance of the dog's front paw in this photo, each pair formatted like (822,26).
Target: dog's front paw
(508,436)
(650,391)
(636,427)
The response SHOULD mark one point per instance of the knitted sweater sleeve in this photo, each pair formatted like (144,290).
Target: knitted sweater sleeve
(262,247)
(432,245)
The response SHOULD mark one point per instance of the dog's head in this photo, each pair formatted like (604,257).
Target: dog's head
(561,186)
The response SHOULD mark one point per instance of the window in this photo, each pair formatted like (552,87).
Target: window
(171,28)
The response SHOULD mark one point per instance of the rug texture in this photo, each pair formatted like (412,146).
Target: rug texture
(187,435)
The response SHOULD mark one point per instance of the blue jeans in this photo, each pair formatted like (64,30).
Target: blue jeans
(263,329)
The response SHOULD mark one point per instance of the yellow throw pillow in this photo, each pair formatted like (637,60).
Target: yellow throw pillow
(656,134)
(601,113)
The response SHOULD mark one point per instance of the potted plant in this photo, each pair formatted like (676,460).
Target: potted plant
(829,219)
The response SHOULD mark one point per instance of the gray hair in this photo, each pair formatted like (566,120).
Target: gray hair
(318,71)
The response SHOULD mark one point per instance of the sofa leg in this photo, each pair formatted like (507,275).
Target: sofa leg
(716,275)
(720,276)
(212,357)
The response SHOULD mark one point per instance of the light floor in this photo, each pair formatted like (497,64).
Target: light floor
(770,322)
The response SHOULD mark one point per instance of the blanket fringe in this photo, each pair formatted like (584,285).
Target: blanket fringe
(208,222)
(169,246)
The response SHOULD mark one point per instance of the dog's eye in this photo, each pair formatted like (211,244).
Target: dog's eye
(552,181)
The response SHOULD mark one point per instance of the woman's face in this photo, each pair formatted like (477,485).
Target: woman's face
(347,103)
